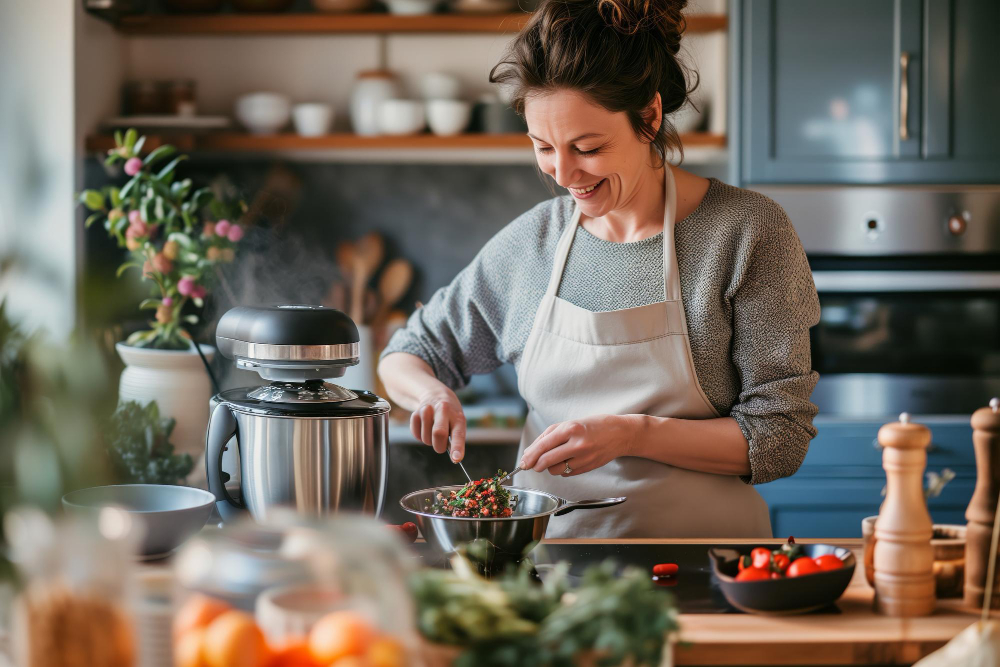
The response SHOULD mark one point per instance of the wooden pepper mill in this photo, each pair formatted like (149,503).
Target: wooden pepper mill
(983,506)
(904,576)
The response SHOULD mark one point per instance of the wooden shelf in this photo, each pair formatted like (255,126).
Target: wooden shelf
(241,142)
(231,24)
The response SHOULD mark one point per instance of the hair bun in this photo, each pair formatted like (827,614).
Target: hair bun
(632,16)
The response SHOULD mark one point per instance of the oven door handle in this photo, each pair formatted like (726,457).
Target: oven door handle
(906,281)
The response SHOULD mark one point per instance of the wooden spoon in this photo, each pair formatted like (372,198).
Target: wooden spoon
(393,285)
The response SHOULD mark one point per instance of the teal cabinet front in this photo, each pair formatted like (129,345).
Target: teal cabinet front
(841,480)
(869,91)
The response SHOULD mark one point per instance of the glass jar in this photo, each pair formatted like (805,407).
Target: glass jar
(293,585)
(74,607)
(142,98)
(180,97)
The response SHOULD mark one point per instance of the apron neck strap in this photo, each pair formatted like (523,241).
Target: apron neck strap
(669,210)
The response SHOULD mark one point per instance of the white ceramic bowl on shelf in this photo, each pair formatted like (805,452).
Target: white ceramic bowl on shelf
(448,117)
(400,117)
(412,7)
(263,113)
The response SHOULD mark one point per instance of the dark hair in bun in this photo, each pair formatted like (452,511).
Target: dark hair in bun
(620,53)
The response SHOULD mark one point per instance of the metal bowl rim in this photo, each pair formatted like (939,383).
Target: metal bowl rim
(559,504)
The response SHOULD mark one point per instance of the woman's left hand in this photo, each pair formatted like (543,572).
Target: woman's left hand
(584,444)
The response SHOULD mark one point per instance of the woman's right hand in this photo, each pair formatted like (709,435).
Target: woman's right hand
(438,415)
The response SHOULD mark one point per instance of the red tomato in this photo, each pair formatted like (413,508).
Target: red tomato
(801,566)
(779,563)
(776,575)
(753,574)
(761,557)
(828,562)
(744,562)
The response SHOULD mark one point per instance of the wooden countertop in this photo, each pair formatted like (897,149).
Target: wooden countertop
(855,636)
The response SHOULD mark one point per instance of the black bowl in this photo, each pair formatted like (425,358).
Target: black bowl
(789,595)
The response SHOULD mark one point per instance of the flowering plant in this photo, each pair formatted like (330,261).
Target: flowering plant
(175,234)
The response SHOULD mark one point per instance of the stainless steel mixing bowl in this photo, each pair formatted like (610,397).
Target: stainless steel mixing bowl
(510,538)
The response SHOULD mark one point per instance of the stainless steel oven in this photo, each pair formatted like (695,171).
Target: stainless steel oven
(909,287)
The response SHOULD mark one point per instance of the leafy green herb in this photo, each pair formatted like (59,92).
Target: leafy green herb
(139,446)
(514,621)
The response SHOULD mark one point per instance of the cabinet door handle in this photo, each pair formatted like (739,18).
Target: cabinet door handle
(904,95)
(930,448)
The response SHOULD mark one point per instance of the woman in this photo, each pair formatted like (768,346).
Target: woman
(658,321)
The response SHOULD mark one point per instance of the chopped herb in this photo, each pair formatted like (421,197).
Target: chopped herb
(485,498)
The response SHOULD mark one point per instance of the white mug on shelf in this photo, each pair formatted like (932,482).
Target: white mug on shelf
(448,117)
(312,119)
(439,86)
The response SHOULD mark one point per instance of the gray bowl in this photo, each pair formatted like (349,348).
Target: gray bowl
(169,514)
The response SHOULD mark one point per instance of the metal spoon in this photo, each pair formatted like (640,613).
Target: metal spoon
(509,475)
(458,462)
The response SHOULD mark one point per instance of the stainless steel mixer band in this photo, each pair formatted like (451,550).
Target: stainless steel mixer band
(269,414)
(267,351)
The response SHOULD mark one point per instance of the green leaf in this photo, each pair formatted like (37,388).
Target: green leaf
(150,304)
(138,145)
(181,238)
(191,319)
(92,199)
(130,136)
(169,169)
(125,191)
(198,302)
(160,209)
(159,153)
(140,337)
(111,159)
(126,266)
(92,218)
(146,209)
(118,138)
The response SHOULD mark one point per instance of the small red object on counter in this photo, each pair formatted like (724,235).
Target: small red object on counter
(761,557)
(665,569)
(408,530)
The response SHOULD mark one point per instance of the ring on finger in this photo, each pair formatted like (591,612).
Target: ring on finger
(567,470)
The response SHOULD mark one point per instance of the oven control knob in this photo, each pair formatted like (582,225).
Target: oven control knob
(957,225)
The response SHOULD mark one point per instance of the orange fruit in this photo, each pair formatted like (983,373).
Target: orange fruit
(340,634)
(188,649)
(234,640)
(386,652)
(293,655)
(198,612)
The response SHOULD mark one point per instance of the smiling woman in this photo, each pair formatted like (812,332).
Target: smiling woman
(658,321)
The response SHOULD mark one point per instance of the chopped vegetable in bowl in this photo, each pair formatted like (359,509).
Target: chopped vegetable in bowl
(482,498)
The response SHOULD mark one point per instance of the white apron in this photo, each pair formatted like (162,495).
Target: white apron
(579,363)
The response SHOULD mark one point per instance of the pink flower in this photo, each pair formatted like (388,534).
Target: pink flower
(186,285)
(235,233)
(222,227)
(168,301)
(134,217)
(132,166)
(198,292)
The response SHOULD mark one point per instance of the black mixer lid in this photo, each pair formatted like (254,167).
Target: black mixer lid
(291,343)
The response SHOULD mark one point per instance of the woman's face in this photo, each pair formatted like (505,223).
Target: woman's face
(592,152)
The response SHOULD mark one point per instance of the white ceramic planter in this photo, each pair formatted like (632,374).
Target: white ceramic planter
(178,382)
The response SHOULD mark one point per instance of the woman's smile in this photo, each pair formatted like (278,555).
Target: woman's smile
(586,192)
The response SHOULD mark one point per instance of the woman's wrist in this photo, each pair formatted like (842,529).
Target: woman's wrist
(647,432)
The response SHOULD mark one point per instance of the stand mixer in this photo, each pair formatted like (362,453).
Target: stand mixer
(303,442)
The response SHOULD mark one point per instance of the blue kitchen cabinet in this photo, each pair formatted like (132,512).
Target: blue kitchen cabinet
(869,91)
(841,480)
